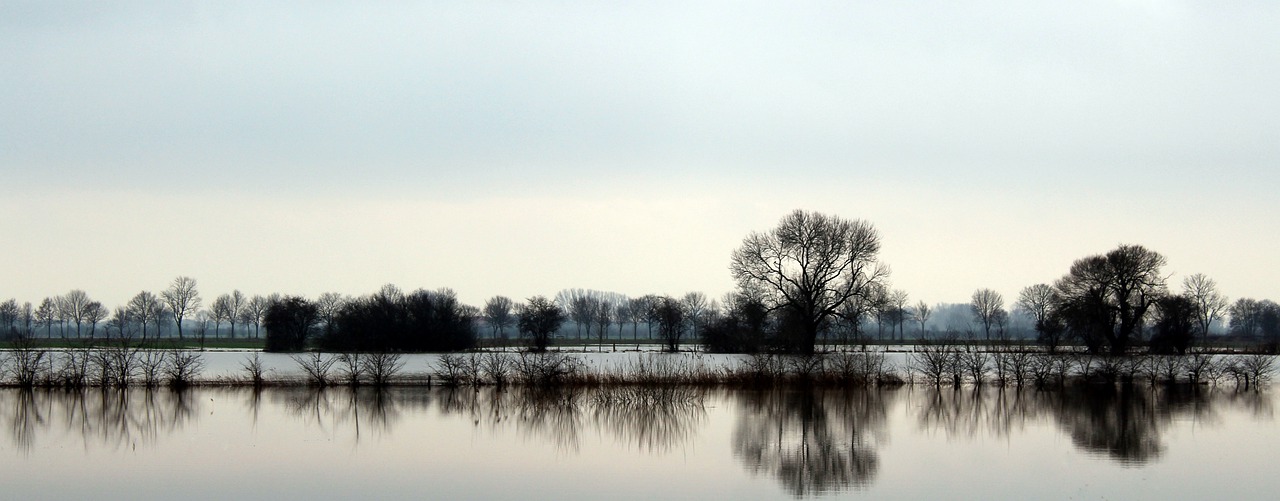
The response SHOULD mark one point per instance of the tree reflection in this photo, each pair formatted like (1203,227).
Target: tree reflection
(1124,423)
(812,440)
(107,417)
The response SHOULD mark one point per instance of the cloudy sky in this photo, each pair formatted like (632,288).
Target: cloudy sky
(520,148)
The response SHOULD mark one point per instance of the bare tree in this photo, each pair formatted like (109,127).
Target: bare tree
(602,317)
(94,312)
(898,312)
(539,318)
(695,306)
(229,308)
(254,310)
(145,308)
(9,314)
(1107,297)
(921,314)
(182,298)
(1209,303)
(810,264)
(497,314)
(220,311)
(329,304)
(986,305)
(74,305)
(45,314)
(671,322)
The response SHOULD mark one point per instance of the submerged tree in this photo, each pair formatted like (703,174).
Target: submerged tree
(182,298)
(811,264)
(1105,298)
(539,318)
(289,322)
(987,306)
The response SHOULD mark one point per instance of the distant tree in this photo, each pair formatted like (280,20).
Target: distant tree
(810,264)
(74,305)
(181,298)
(1175,324)
(695,307)
(1209,303)
(329,304)
(289,322)
(1040,301)
(123,322)
(9,314)
(602,317)
(671,322)
(94,312)
(498,315)
(220,311)
(45,315)
(985,305)
(897,301)
(236,303)
(145,308)
(921,314)
(255,311)
(639,312)
(622,314)
(743,328)
(1105,298)
(538,319)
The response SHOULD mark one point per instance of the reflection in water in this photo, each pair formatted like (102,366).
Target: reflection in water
(106,417)
(1123,423)
(813,440)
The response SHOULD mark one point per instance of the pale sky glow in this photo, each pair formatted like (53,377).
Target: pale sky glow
(523,148)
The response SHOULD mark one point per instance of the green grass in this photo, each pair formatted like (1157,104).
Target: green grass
(165,343)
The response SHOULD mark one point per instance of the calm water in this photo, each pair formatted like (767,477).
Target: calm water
(908,443)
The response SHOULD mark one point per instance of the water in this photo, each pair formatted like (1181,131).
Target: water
(633,443)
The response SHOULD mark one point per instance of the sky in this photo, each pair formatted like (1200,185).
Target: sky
(521,148)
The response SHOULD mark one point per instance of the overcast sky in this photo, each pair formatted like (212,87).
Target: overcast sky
(522,148)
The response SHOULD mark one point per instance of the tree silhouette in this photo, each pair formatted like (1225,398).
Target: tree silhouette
(811,264)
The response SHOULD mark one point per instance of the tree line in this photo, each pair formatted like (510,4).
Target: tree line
(813,280)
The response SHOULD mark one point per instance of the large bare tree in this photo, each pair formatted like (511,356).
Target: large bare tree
(1106,297)
(921,314)
(987,306)
(497,314)
(810,264)
(75,306)
(1209,303)
(145,308)
(182,298)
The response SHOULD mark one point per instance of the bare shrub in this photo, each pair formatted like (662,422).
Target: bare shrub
(73,369)
(182,367)
(25,362)
(451,370)
(381,367)
(253,369)
(351,367)
(316,366)
(976,365)
(1252,369)
(547,369)
(1202,367)
(934,361)
(150,363)
(805,367)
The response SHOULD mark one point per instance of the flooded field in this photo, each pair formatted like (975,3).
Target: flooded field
(639,443)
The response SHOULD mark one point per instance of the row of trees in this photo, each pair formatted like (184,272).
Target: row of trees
(813,279)
(177,309)
(815,273)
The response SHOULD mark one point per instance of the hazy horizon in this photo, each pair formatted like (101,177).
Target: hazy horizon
(521,149)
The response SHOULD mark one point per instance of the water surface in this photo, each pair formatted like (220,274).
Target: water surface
(638,443)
